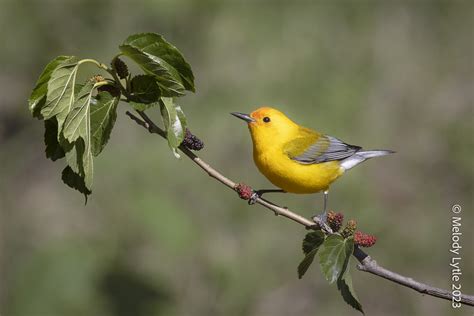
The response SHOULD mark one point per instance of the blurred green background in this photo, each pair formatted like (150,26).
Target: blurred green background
(159,237)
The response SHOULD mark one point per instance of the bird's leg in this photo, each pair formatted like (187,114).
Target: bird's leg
(325,205)
(323,217)
(258,194)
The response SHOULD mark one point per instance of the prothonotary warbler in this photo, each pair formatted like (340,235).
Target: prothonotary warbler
(298,159)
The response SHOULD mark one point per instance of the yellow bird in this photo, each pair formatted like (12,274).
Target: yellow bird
(298,159)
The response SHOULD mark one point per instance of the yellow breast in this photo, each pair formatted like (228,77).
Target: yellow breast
(292,176)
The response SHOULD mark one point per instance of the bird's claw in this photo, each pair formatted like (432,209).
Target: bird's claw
(320,221)
(253,198)
(322,217)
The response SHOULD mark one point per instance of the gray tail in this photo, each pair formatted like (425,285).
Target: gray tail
(362,156)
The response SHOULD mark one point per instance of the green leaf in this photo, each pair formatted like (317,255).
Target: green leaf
(167,77)
(174,128)
(159,58)
(312,240)
(78,125)
(156,45)
(144,89)
(61,91)
(344,281)
(103,115)
(332,256)
(344,285)
(182,117)
(38,95)
(75,181)
(306,263)
(74,152)
(53,150)
(311,244)
(145,92)
(143,106)
(77,122)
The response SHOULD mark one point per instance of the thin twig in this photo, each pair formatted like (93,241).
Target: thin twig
(367,264)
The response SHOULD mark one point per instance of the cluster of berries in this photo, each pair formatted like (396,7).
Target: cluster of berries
(361,239)
(190,141)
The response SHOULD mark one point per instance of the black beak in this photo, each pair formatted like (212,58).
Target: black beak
(243,116)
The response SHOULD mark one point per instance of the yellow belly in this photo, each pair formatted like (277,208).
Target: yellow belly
(294,177)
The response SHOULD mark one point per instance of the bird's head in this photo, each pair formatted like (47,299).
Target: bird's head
(268,124)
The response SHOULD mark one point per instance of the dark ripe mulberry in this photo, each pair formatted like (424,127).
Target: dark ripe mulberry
(190,141)
(334,220)
(120,67)
(364,240)
(245,192)
(113,90)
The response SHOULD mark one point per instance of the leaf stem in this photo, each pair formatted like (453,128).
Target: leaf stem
(100,83)
(95,62)
(118,55)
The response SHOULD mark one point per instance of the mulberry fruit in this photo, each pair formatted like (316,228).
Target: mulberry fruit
(120,67)
(349,229)
(113,90)
(334,220)
(364,240)
(190,141)
(245,192)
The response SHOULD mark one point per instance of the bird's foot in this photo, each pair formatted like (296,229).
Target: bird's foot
(323,217)
(254,197)
(321,222)
(258,194)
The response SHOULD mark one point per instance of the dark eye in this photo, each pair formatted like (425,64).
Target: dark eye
(266,119)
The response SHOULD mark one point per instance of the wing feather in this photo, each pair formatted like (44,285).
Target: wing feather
(321,148)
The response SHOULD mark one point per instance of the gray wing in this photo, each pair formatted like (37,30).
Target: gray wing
(326,148)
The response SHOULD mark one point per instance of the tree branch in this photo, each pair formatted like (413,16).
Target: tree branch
(367,264)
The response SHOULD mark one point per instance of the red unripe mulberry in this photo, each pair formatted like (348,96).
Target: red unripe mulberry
(364,240)
(245,192)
